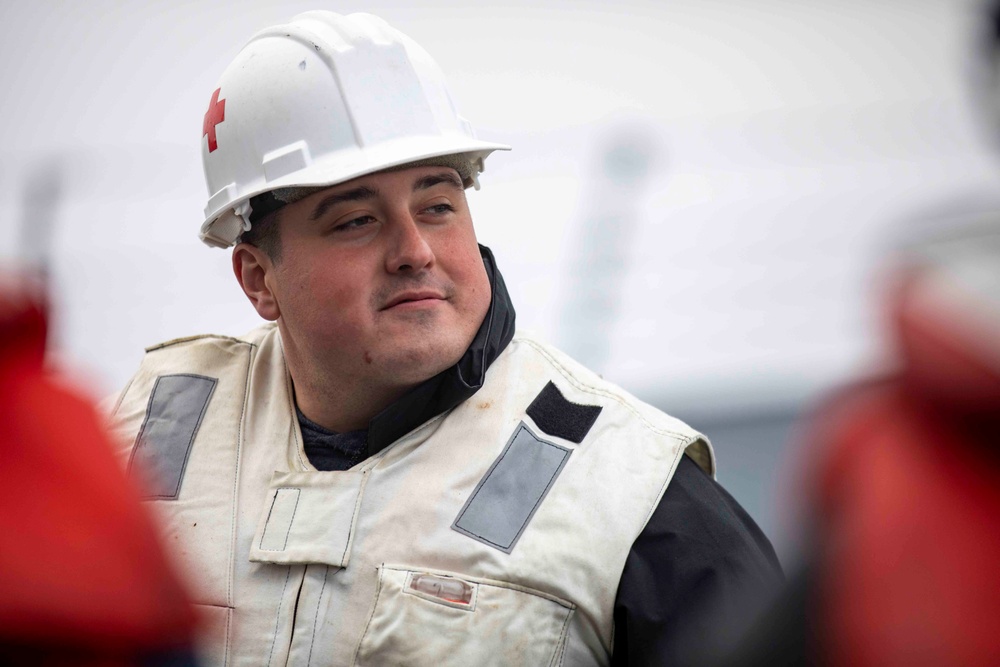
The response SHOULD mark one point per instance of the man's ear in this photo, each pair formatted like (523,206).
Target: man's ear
(252,266)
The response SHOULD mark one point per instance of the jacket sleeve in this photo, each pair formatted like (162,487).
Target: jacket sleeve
(698,572)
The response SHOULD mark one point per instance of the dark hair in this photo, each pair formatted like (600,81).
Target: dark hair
(265,234)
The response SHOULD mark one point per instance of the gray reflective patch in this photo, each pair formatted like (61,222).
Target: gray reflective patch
(176,407)
(279,520)
(512,489)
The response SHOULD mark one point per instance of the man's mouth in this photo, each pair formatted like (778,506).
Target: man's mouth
(415,297)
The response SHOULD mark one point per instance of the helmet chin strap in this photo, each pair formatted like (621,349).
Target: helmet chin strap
(244,210)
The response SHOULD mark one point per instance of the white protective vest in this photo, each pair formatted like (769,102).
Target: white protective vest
(476,539)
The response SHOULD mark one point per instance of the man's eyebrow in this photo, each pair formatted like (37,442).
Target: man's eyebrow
(434,179)
(362,193)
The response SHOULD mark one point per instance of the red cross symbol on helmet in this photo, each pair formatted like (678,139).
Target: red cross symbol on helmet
(216,114)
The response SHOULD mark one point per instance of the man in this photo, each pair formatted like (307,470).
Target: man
(388,473)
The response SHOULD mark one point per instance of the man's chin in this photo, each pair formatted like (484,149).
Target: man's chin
(412,366)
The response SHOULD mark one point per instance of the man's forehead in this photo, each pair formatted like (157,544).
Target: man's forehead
(415,177)
(318,199)
(403,175)
(404,182)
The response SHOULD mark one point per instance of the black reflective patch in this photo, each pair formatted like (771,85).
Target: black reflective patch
(512,489)
(176,407)
(561,418)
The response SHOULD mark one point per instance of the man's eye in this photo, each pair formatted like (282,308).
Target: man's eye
(439,209)
(354,223)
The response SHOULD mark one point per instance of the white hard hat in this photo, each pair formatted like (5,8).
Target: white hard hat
(318,101)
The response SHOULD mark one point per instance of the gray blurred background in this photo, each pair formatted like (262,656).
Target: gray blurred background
(697,202)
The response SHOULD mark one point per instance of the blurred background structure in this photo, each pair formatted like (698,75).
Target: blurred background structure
(696,203)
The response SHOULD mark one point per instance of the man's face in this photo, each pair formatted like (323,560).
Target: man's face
(380,278)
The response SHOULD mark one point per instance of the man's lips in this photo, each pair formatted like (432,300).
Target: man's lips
(413,296)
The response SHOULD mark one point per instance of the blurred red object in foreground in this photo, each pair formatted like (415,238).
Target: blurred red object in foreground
(909,506)
(83,579)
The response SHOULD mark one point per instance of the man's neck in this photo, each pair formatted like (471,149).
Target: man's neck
(339,406)
(341,420)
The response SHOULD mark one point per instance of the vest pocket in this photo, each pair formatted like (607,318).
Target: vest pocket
(426,617)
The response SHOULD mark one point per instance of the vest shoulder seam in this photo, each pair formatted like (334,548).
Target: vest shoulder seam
(685,438)
(191,339)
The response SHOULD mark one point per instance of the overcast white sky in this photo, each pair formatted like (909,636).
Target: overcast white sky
(785,139)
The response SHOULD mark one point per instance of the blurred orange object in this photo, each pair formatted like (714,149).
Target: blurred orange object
(83,579)
(909,506)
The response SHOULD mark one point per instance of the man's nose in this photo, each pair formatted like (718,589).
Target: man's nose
(409,250)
